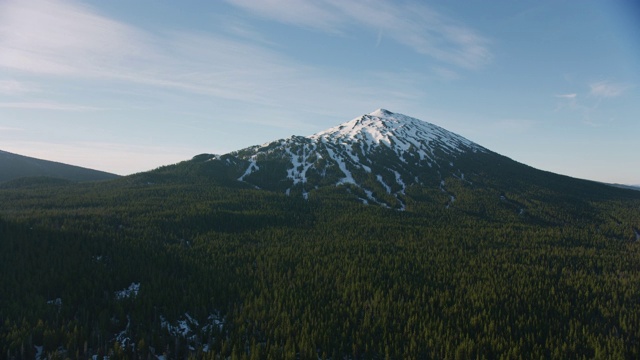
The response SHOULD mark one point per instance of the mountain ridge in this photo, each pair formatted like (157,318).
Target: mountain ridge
(15,166)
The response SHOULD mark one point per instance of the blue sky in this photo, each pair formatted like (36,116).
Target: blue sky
(126,86)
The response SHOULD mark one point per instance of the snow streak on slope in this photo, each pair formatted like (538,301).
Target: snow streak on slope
(377,155)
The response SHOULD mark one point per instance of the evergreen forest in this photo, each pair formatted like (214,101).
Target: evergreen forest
(172,265)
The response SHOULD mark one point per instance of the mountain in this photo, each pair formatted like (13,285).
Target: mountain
(15,166)
(631,187)
(395,161)
(377,156)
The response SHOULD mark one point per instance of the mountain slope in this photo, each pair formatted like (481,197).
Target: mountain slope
(398,162)
(376,156)
(14,166)
(379,154)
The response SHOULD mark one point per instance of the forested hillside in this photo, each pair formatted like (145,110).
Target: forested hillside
(176,263)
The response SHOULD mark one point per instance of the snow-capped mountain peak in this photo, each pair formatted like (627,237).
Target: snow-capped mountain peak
(396,131)
(376,156)
(381,113)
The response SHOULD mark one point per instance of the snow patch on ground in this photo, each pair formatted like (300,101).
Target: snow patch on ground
(182,327)
(381,181)
(400,182)
(39,350)
(57,302)
(300,164)
(370,195)
(214,320)
(253,166)
(452,199)
(123,336)
(348,178)
(186,326)
(131,291)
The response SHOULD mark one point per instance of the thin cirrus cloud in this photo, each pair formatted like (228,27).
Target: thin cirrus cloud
(47,105)
(416,26)
(588,104)
(600,90)
(14,87)
(317,15)
(69,40)
(65,38)
(567,100)
(607,89)
(62,38)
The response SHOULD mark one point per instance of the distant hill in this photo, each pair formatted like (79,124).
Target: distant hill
(631,187)
(14,166)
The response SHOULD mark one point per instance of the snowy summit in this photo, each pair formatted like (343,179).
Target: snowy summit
(396,131)
(376,156)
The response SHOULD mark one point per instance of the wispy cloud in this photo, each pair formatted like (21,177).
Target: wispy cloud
(9,128)
(592,104)
(47,105)
(13,87)
(567,101)
(60,37)
(239,27)
(417,26)
(67,40)
(63,41)
(607,89)
(317,15)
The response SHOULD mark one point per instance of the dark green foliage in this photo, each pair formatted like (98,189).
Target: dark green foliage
(544,268)
(36,181)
